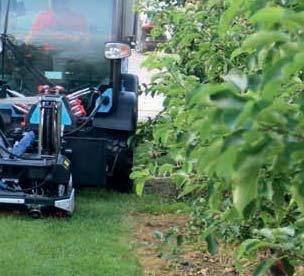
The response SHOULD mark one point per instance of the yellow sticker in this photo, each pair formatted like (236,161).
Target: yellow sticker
(66,163)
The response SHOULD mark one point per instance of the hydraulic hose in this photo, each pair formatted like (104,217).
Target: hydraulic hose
(4,138)
(93,113)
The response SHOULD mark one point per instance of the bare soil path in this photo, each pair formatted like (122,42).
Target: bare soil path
(159,253)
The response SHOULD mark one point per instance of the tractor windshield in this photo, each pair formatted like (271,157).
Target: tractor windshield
(61,39)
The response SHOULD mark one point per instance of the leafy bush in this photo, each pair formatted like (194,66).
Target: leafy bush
(231,133)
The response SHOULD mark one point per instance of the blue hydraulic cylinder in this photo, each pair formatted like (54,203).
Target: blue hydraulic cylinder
(21,146)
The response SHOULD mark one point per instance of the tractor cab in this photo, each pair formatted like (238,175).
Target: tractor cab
(67,103)
(64,40)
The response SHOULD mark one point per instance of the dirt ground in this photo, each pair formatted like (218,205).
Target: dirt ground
(159,256)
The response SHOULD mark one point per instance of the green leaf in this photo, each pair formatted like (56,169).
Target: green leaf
(230,117)
(237,52)
(140,177)
(161,135)
(281,72)
(250,246)
(228,16)
(278,196)
(189,188)
(166,169)
(138,174)
(269,16)
(245,189)
(297,17)
(288,267)
(288,231)
(139,187)
(298,191)
(209,230)
(238,78)
(263,267)
(158,234)
(214,195)
(228,100)
(230,215)
(212,245)
(179,240)
(263,39)
(233,139)
(208,159)
(265,232)
(201,96)
(225,165)
(181,179)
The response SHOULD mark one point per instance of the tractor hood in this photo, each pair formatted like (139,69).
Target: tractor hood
(63,40)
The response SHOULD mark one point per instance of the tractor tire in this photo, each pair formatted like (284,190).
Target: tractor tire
(130,82)
(121,160)
(122,181)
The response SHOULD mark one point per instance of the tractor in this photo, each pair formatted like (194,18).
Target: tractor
(68,106)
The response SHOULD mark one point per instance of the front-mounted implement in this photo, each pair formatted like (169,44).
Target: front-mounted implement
(67,104)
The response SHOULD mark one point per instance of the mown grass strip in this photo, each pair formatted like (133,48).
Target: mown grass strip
(97,240)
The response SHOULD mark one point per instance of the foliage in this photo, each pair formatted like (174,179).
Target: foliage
(232,127)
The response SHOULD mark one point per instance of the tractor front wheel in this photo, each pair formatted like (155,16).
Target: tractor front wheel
(120,164)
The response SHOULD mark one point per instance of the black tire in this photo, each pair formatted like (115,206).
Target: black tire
(120,180)
(120,162)
(130,82)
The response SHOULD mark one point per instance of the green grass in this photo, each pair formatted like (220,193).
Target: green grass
(97,240)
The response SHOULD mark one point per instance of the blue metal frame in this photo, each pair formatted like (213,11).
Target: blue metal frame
(65,116)
(12,109)
(105,108)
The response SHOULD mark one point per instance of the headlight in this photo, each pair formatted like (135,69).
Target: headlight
(115,50)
